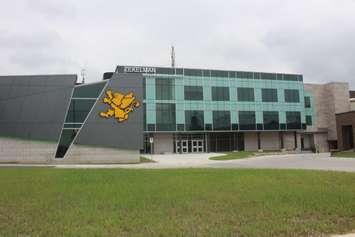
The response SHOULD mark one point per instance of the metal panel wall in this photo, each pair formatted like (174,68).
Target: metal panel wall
(108,132)
(33,107)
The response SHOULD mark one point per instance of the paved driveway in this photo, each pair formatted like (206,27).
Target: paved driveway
(321,161)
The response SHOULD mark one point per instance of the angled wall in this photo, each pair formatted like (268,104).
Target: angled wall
(32,111)
(121,140)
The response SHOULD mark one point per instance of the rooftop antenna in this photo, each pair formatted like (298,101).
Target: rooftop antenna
(172,57)
(83,74)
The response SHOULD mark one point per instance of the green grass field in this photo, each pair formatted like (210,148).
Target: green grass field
(234,155)
(344,154)
(180,202)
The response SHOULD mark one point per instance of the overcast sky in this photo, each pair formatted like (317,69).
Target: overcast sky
(313,37)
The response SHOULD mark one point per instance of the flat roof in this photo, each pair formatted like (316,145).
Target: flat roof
(209,73)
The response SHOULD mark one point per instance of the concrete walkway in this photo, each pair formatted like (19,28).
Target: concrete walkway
(321,161)
(310,161)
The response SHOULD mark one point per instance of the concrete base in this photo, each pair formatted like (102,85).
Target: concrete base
(39,152)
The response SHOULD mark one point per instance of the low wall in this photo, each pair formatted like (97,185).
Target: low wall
(14,150)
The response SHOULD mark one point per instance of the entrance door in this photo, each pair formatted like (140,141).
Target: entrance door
(184,146)
(197,145)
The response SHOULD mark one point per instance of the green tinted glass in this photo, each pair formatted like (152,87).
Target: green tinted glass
(88,91)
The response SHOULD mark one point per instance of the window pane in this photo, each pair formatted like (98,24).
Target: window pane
(271,120)
(193,92)
(269,95)
(247,120)
(307,102)
(292,96)
(79,110)
(194,120)
(166,117)
(218,73)
(220,93)
(245,94)
(309,120)
(193,72)
(221,120)
(293,120)
(164,89)
(88,91)
(66,139)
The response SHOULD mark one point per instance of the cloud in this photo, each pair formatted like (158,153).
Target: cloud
(312,37)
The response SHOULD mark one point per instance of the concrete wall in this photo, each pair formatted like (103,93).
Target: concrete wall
(14,150)
(270,141)
(329,99)
(163,143)
(352,105)
(250,141)
(321,142)
(79,154)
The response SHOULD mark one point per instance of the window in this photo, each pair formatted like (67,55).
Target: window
(193,92)
(307,102)
(247,120)
(66,139)
(79,110)
(271,120)
(220,93)
(292,96)
(88,91)
(164,89)
(293,120)
(245,94)
(166,117)
(309,120)
(269,95)
(194,120)
(221,120)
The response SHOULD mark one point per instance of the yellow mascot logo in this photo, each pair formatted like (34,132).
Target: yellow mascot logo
(121,105)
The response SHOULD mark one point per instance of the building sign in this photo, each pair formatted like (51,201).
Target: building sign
(120,105)
(134,69)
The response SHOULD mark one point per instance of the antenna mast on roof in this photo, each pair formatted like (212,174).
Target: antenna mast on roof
(83,74)
(172,57)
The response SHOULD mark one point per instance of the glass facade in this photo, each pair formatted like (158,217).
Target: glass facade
(82,101)
(194,120)
(193,92)
(292,96)
(221,120)
(180,99)
(164,89)
(220,93)
(269,95)
(247,120)
(271,120)
(245,94)
(166,114)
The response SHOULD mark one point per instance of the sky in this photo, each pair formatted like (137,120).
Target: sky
(315,38)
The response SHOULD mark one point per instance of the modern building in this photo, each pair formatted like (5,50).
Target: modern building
(51,118)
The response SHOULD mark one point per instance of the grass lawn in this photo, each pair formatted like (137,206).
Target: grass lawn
(146,160)
(241,155)
(176,202)
(345,154)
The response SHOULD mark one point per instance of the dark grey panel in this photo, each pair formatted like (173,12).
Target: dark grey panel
(108,132)
(33,107)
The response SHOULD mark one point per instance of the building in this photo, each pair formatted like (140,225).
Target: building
(346,130)
(164,110)
(51,119)
(198,110)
